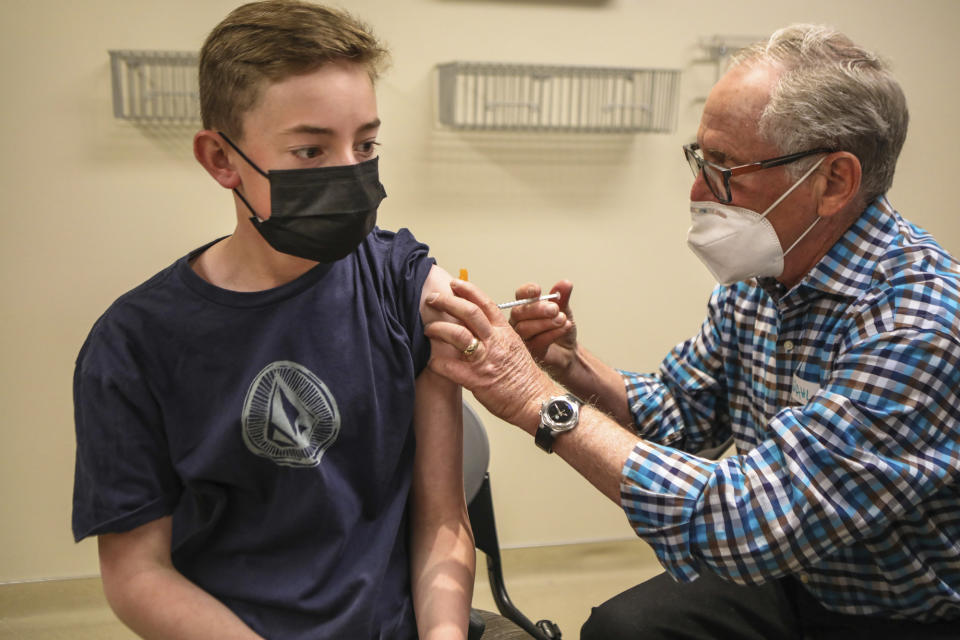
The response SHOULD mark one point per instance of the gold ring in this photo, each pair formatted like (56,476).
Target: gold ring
(471,348)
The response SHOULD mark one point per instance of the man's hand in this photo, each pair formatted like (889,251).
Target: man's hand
(547,328)
(504,377)
(498,369)
(550,334)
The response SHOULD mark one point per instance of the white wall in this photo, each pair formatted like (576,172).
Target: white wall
(94,205)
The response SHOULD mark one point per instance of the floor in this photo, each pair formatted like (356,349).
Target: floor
(562,583)
(559,583)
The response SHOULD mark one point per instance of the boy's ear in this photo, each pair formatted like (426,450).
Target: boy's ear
(210,151)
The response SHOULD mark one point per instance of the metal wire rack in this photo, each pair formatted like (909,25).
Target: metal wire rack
(155,86)
(496,96)
(718,48)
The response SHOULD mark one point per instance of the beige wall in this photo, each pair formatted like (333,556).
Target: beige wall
(93,206)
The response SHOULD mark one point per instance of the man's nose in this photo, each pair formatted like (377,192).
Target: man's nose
(700,192)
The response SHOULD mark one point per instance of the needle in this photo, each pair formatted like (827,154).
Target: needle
(517,303)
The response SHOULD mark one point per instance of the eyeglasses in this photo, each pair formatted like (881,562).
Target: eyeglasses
(718,178)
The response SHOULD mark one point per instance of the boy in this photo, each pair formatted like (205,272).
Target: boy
(261,449)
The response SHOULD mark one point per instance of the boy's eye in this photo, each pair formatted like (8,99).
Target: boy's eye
(368,147)
(307,152)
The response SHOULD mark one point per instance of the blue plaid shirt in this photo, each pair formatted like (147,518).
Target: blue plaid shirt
(843,398)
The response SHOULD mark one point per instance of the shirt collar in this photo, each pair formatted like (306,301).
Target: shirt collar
(849,266)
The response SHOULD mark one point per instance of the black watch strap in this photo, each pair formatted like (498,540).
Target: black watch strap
(545,437)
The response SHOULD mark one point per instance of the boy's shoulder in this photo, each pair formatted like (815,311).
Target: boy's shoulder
(401,239)
(135,310)
(395,253)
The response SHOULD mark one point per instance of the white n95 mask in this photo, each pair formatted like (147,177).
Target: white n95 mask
(737,243)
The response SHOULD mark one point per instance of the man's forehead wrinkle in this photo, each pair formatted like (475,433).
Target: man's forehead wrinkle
(729,131)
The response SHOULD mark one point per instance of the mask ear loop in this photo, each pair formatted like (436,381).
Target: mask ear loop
(243,155)
(797,241)
(789,191)
(256,217)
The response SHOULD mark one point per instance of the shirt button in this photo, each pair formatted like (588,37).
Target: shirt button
(788,346)
(804,578)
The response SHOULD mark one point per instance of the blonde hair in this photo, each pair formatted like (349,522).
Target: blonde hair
(265,42)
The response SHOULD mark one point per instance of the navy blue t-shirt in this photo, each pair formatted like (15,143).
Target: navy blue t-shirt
(276,428)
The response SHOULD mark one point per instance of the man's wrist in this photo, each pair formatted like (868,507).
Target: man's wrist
(580,374)
(558,416)
(570,372)
(531,414)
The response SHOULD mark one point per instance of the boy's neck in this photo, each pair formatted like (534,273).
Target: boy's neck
(246,262)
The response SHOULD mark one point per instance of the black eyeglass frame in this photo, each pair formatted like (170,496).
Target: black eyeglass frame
(690,151)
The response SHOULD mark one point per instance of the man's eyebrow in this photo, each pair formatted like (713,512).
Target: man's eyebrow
(713,155)
(314,130)
(721,157)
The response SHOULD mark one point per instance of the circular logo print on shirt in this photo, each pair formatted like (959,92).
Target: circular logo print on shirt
(289,415)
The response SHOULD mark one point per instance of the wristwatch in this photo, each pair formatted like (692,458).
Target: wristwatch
(558,415)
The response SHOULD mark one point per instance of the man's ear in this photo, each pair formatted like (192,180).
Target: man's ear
(840,176)
(210,151)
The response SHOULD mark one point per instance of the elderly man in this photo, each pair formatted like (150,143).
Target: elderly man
(830,352)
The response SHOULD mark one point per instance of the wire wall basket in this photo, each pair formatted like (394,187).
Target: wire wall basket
(493,96)
(155,86)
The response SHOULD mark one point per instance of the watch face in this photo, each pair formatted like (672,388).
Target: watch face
(560,411)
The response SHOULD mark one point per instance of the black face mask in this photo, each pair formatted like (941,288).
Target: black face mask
(320,214)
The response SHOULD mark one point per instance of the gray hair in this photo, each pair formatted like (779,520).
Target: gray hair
(833,94)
